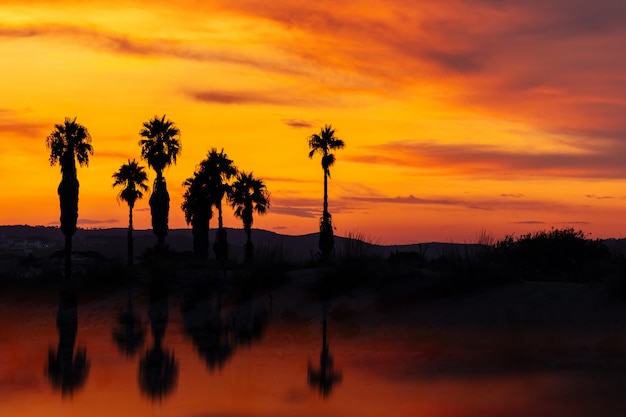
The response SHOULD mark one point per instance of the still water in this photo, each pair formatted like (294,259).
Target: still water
(156,352)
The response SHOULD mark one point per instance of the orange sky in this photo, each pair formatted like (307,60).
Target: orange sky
(474,115)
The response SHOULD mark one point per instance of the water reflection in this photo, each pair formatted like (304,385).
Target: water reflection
(324,378)
(67,370)
(211,335)
(249,322)
(158,369)
(130,334)
(216,334)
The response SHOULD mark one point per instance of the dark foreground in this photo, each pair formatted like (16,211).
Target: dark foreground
(190,347)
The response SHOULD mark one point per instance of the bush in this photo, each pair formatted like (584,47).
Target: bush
(562,254)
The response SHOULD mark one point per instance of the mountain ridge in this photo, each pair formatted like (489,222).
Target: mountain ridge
(111,242)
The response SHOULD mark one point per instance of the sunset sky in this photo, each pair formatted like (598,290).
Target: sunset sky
(458,116)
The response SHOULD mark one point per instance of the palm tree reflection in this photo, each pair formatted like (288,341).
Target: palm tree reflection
(158,370)
(211,335)
(130,334)
(324,378)
(67,371)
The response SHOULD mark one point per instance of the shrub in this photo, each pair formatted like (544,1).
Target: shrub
(564,254)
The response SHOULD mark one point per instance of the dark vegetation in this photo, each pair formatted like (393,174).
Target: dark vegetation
(556,255)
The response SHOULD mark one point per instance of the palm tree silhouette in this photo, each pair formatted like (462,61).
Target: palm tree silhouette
(132,178)
(159,149)
(69,142)
(198,209)
(323,143)
(67,370)
(220,170)
(247,195)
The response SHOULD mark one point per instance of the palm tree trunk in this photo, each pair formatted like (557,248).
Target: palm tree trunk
(325,194)
(220,223)
(249,251)
(326,243)
(159,209)
(130,235)
(220,247)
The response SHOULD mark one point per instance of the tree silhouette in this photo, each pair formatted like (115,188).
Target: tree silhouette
(68,142)
(323,143)
(248,195)
(198,209)
(132,178)
(160,148)
(219,170)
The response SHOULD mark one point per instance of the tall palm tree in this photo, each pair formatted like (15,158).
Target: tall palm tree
(69,142)
(198,209)
(248,195)
(220,170)
(324,143)
(132,178)
(159,148)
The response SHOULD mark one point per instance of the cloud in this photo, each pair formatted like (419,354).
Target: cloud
(512,195)
(411,199)
(91,222)
(297,123)
(295,211)
(269,98)
(239,98)
(490,161)
(600,197)
(529,222)
(117,43)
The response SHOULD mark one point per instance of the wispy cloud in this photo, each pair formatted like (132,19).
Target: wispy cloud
(92,222)
(125,44)
(494,161)
(298,123)
(601,197)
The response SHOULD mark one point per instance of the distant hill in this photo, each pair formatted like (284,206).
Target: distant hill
(42,241)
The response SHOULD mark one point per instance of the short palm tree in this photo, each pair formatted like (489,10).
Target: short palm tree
(248,195)
(219,170)
(132,178)
(198,209)
(69,142)
(160,147)
(324,143)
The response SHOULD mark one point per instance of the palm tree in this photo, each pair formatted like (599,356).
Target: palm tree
(132,178)
(219,170)
(248,195)
(159,148)
(323,143)
(198,209)
(69,142)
